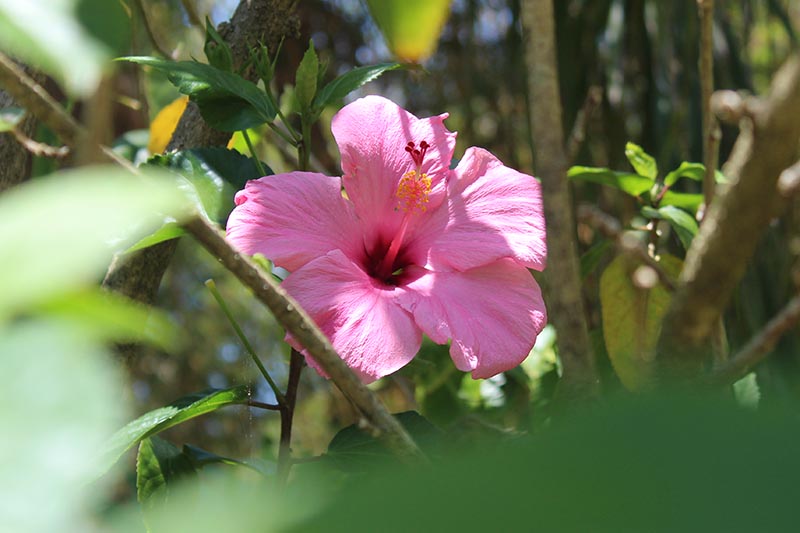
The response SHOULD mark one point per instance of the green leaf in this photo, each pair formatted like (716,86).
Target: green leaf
(632,184)
(353,449)
(52,36)
(10,117)
(215,174)
(689,201)
(683,223)
(167,232)
(632,318)
(61,232)
(411,27)
(227,101)
(593,256)
(217,50)
(305,87)
(200,458)
(107,22)
(159,464)
(173,414)
(110,317)
(59,401)
(642,162)
(693,171)
(349,82)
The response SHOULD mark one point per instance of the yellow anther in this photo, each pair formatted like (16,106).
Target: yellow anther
(413,190)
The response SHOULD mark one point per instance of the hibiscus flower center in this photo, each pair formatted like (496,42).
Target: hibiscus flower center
(412,195)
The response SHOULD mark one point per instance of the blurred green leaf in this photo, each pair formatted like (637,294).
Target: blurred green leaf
(159,464)
(592,257)
(169,231)
(228,502)
(633,184)
(173,414)
(227,101)
(693,171)
(110,317)
(60,232)
(51,35)
(107,22)
(353,449)
(656,464)
(683,223)
(10,117)
(349,82)
(306,78)
(643,163)
(59,402)
(632,318)
(411,27)
(689,201)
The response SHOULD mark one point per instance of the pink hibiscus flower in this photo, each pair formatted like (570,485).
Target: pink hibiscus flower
(414,247)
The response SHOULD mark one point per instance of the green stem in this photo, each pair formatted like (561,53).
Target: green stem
(250,147)
(292,141)
(304,148)
(212,287)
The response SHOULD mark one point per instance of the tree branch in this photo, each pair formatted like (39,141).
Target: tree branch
(297,322)
(138,275)
(14,155)
(711,133)
(759,346)
(562,276)
(718,257)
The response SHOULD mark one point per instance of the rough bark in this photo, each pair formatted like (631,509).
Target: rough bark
(562,278)
(717,260)
(138,276)
(14,159)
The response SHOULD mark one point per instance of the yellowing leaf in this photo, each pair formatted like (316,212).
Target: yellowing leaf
(632,318)
(411,27)
(163,126)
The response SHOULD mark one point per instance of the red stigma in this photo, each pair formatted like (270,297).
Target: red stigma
(417,154)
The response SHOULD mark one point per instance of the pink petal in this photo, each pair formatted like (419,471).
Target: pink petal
(493,212)
(372,134)
(492,314)
(361,317)
(294,218)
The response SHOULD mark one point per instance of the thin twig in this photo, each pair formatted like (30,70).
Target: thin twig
(33,97)
(212,287)
(711,133)
(759,346)
(612,229)
(149,29)
(303,329)
(262,405)
(594,98)
(39,149)
(296,364)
